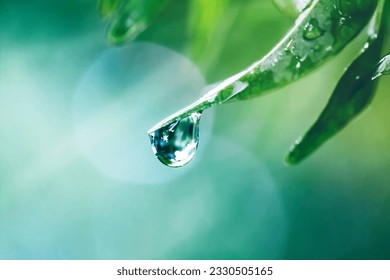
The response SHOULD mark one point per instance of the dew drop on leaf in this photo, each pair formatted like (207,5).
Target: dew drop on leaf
(312,30)
(175,144)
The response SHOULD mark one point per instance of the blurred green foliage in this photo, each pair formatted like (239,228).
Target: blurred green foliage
(292,7)
(238,201)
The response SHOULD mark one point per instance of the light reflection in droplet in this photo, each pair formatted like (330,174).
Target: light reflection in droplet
(175,145)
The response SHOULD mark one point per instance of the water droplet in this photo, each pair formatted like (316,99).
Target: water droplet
(175,145)
(312,30)
(239,87)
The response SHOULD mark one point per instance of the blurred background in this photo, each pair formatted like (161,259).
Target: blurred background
(78,179)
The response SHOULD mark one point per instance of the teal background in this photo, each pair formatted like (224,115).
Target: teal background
(236,200)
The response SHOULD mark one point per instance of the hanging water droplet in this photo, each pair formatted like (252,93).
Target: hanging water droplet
(312,30)
(175,144)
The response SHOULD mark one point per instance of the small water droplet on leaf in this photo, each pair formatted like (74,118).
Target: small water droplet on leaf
(176,144)
(312,30)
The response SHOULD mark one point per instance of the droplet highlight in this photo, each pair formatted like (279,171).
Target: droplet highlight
(312,30)
(176,144)
(383,67)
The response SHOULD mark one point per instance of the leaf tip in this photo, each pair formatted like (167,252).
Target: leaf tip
(292,158)
(296,155)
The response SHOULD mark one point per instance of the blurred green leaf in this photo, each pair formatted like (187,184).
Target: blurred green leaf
(132,18)
(108,7)
(209,23)
(292,8)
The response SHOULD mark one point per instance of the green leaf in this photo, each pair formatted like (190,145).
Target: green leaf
(133,17)
(352,96)
(321,32)
(108,7)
